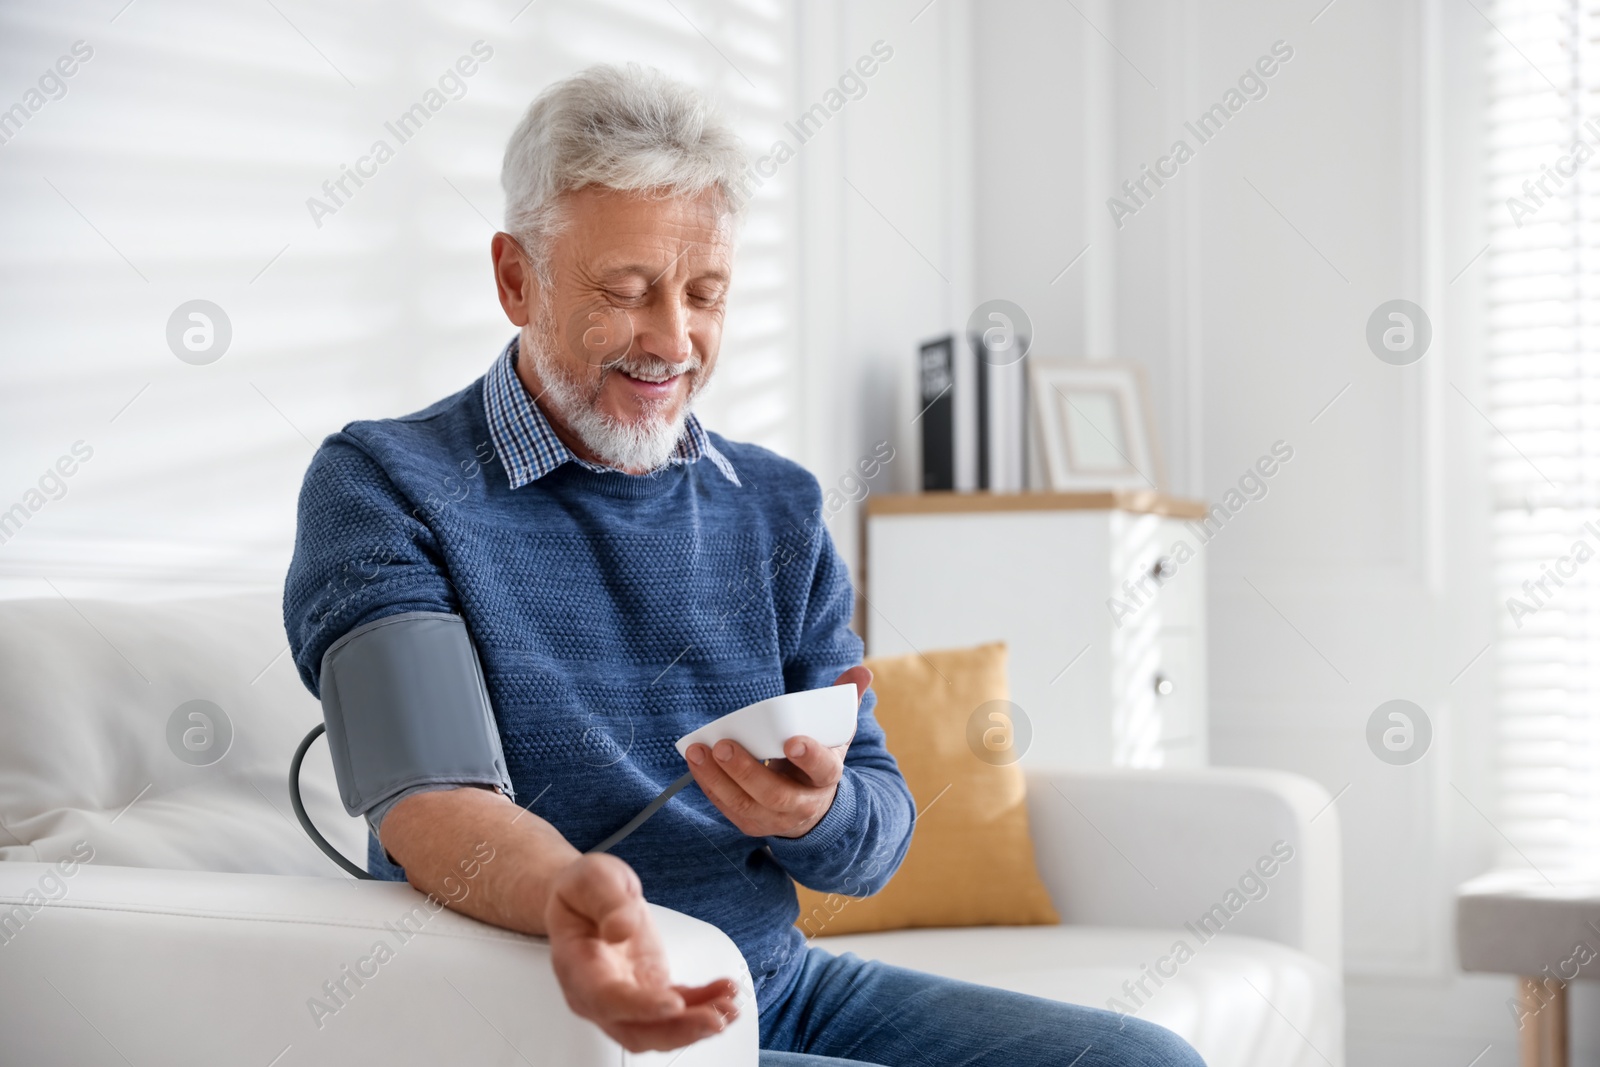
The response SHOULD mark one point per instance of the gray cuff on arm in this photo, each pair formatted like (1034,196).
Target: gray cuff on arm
(407,709)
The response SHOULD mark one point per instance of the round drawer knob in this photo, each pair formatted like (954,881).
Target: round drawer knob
(1163,685)
(1163,568)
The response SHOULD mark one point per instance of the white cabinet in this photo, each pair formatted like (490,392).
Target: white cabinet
(1103,613)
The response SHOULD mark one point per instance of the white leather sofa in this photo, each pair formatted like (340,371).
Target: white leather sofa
(158,909)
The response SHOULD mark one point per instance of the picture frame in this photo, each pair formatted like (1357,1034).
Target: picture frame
(1093,425)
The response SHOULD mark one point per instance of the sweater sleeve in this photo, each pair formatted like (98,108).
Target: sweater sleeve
(860,842)
(362,551)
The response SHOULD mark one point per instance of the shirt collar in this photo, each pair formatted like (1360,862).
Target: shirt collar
(528,446)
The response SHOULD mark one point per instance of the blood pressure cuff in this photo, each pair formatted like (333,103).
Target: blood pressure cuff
(404,701)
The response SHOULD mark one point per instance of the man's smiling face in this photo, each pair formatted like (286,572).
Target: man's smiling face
(628,331)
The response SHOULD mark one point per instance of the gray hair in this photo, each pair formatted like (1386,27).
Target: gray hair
(626,128)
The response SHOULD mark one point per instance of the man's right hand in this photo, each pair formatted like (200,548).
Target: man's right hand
(611,965)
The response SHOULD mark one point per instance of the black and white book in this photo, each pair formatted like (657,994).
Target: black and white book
(1001,413)
(936,368)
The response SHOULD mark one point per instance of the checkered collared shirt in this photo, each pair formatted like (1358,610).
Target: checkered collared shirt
(528,445)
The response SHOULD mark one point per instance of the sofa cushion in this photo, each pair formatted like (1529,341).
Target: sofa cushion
(195,969)
(1240,1001)
(99,744)
(971,860)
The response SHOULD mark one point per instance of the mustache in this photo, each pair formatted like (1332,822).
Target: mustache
(651,366)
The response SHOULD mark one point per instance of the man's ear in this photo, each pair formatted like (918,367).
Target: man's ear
(515,280)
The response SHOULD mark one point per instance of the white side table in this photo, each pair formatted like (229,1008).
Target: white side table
(1517,922)
(1099,597)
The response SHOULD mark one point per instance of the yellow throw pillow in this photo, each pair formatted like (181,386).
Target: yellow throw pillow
(971,857)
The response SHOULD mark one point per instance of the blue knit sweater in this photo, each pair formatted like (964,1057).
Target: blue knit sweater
(612,613)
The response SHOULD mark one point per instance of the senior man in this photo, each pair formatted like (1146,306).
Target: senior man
(627,576)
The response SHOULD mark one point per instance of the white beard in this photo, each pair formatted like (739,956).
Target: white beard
(643,445)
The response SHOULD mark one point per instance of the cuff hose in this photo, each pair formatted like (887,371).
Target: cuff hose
(350,868)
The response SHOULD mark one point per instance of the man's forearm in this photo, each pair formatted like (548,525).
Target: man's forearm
(432,834)
(859,844)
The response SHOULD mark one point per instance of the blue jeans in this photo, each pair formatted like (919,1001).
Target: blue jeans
(844,1011)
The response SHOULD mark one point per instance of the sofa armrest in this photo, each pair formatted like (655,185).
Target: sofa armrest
(110,965)
(1162,848)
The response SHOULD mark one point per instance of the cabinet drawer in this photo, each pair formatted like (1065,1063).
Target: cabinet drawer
(1176,685)
(1168,568)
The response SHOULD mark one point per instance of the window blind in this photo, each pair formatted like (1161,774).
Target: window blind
(1544,399)
(190,156)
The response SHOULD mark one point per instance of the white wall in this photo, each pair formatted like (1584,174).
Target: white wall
(887,240)
(1363,575)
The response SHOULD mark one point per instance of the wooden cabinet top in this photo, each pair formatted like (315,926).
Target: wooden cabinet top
(1140,501)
